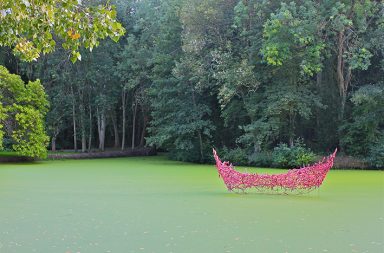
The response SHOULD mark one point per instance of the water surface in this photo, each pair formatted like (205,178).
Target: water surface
(154,205)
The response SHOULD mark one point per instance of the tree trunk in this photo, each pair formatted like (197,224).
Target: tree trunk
(291,141)
(54,137)
(82,124)
(143,132)
(83,142)
(198,131)
(344,96)
(123,100)
(53,144)
(98,124)
(115,130)
(291,134)
(101,126)
(344,73)
(90,129)
(74,120)
(102,135)
(319,79)
(201,146)
(256,147)
(134,124)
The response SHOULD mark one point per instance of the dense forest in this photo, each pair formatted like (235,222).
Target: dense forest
(244,76)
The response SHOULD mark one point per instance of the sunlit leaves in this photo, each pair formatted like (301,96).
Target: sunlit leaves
(31,28)
(23,110)
(291,35)
(236,78)
(73,35)
(360,58)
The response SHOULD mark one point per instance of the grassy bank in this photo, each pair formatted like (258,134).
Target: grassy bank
(7,153)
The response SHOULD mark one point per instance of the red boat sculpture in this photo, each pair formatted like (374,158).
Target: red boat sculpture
(294,181)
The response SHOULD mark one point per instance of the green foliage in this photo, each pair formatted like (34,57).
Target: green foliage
(191,155)
(261,159)
(180,116)
(277,114)
(236,78)
(23,110)
(290,35)
(290,157)
(354,19)
(30,137)
(3,117)
(192,74)
(35,27)
(237,156)
(376,154)
(366,125)
(360,59)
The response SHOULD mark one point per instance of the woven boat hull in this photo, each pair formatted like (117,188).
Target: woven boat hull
(296,181)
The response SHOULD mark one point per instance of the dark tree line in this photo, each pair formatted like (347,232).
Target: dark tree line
(245,75)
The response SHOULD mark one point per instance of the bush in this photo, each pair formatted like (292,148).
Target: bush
(261,159)
(23,108)
(192,153)
(185,155)
(236,156)
(289,157)
(376,155)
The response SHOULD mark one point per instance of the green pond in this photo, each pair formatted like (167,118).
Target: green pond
(151,204)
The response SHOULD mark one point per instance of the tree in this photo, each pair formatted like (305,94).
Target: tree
(180,116)
(35,27)
(102,78)
(60,110)
(347,26)
(278,114)
(134,70)
(257,72)
(366,126)
(291,38)
(22,111)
